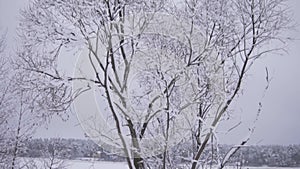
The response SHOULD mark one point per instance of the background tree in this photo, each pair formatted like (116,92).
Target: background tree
(17,119)
(52,160)
(4,102)
(23,123)
(160,68)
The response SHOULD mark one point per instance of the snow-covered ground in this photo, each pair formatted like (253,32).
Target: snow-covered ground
(265,168)
(79,164)
(40,163)
(88,164)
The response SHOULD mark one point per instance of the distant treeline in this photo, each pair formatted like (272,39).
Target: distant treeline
(269,155)
(65,149)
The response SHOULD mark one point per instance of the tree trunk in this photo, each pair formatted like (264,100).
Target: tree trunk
(138,163)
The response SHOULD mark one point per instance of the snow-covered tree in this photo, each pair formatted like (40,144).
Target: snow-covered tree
(162,71)
(4,102)
(52,160)
(17,122)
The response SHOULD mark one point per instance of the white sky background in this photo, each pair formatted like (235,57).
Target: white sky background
(279,122)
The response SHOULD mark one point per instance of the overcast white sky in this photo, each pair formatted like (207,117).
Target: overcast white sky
(279,122)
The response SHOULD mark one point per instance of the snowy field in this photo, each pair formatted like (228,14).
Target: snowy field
(40,163)
(78,164)
(88,164)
